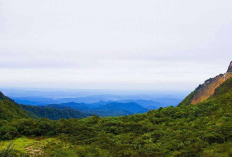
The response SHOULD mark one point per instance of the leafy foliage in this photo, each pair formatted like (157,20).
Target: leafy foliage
(10,151)
(53,113)
(9,111)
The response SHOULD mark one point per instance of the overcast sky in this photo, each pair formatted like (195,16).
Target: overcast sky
(114,44)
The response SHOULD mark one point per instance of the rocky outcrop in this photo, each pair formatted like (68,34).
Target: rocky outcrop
(207,89)
(230,68)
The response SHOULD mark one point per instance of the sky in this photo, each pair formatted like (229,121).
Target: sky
(113,44)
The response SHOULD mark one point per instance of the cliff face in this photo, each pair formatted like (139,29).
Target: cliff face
(230,68)
(207,89)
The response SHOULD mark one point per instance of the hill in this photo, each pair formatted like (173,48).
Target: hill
(118,109)
(103,109)
(203,129)
(3,97)
(54,113)
(147,100)
(148,104)
(10,110)
(130,106)
(207,89)
(73,105)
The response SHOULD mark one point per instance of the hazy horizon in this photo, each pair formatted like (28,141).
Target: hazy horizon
(113,45)
(75,93)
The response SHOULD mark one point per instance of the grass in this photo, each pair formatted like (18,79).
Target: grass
(22,144)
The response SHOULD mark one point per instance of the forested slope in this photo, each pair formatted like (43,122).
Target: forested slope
(203,129)
(10,110)
(53,113)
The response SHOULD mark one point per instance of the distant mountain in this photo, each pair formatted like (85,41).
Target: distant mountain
(117,109)
(73,105)
(103,109)
(33,100)
(109,110)
(207,89)
(168,101)
(10,110)
(99,104)
(148,104)
(60,107)
(131,107)
(54,113)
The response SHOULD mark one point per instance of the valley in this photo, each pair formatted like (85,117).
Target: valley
(201,129)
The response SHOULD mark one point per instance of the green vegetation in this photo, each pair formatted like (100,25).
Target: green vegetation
(188,130)
(3,97)
(9,110)
(53,113)
(26,146)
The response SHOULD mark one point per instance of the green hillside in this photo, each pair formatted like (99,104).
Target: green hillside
(53,113)
(194,130)
(10,110)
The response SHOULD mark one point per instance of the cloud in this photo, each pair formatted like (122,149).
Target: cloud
(118,42)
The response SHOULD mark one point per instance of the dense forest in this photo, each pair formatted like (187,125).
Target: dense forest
(54,113)
(188,130)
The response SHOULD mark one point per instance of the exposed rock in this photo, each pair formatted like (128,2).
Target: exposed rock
(207,89)
(230,67)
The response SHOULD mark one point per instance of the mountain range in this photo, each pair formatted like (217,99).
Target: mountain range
(199,126)
(103,109)
(150,103)
(10,110)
